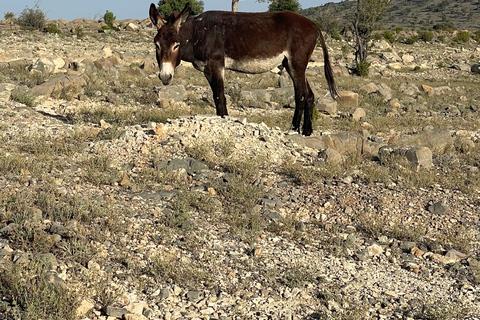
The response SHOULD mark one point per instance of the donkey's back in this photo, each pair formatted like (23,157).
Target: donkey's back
(254,42)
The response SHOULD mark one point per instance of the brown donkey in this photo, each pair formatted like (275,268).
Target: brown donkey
(246,42)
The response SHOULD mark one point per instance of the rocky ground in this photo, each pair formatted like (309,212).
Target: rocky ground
(121,198)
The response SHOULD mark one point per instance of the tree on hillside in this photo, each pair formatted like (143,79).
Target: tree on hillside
(282,5)
(367,14)
(166,7)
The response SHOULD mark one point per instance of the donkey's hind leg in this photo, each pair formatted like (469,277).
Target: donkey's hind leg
(302,90)
(307,128)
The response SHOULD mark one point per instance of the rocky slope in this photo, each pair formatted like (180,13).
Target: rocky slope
(138,201)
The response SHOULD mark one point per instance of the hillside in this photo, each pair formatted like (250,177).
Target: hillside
(121,198)
(410,14)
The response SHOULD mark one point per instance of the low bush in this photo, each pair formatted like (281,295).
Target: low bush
(426,36)
(9,15)
(52,28)
(32,18)
(389,36)
(462,36)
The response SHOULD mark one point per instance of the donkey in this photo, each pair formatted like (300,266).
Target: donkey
(245,42)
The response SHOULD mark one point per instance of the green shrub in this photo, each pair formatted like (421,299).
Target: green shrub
(32,18)
(377,37)
(462,36)
(109,18)
(363,68)
(9,15)
(411,40)
(166,7)
(426,36)
(52,28)
(23,97)
(389,36)
(446,26)
(398,29)
(336,35)
(476,36)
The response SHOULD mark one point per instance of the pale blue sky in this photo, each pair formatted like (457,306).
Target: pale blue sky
(71,9)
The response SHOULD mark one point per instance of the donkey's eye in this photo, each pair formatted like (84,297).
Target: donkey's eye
(176,46)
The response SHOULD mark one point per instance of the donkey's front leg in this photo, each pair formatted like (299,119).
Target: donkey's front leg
(215,76)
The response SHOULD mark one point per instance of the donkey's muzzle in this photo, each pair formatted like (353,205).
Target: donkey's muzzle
(166,78)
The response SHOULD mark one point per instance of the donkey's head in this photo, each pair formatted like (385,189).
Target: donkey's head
(167,41)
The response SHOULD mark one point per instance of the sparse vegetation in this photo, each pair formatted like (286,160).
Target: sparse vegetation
(53,28)
(32,18)
(462,36)
(24,97)
(9,15)
(33,296)
(133,199)
(109,19)
(426,36)
(389,36)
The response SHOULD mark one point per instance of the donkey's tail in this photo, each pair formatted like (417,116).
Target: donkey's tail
(328,68)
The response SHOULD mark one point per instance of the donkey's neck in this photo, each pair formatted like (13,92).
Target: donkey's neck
(186,40)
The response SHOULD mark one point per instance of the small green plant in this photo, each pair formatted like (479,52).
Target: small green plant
(99,172)
(363,69)
(32,18)
(389,36)
(109,18)
(398,29)
(336,35)
(79,32)
(52,28)
(9,15)
(24,97)
(184,272)
(476,36)
(240,213)
(106,295)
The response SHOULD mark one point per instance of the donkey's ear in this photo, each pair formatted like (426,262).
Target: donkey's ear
(155,17)
(183,16)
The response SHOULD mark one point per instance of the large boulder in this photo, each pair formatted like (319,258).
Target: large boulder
(348,99)
(44,65)
(416,156)
(176,93)
(439,141)
(56,84)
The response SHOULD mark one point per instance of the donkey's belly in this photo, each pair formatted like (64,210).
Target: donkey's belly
(254,65)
